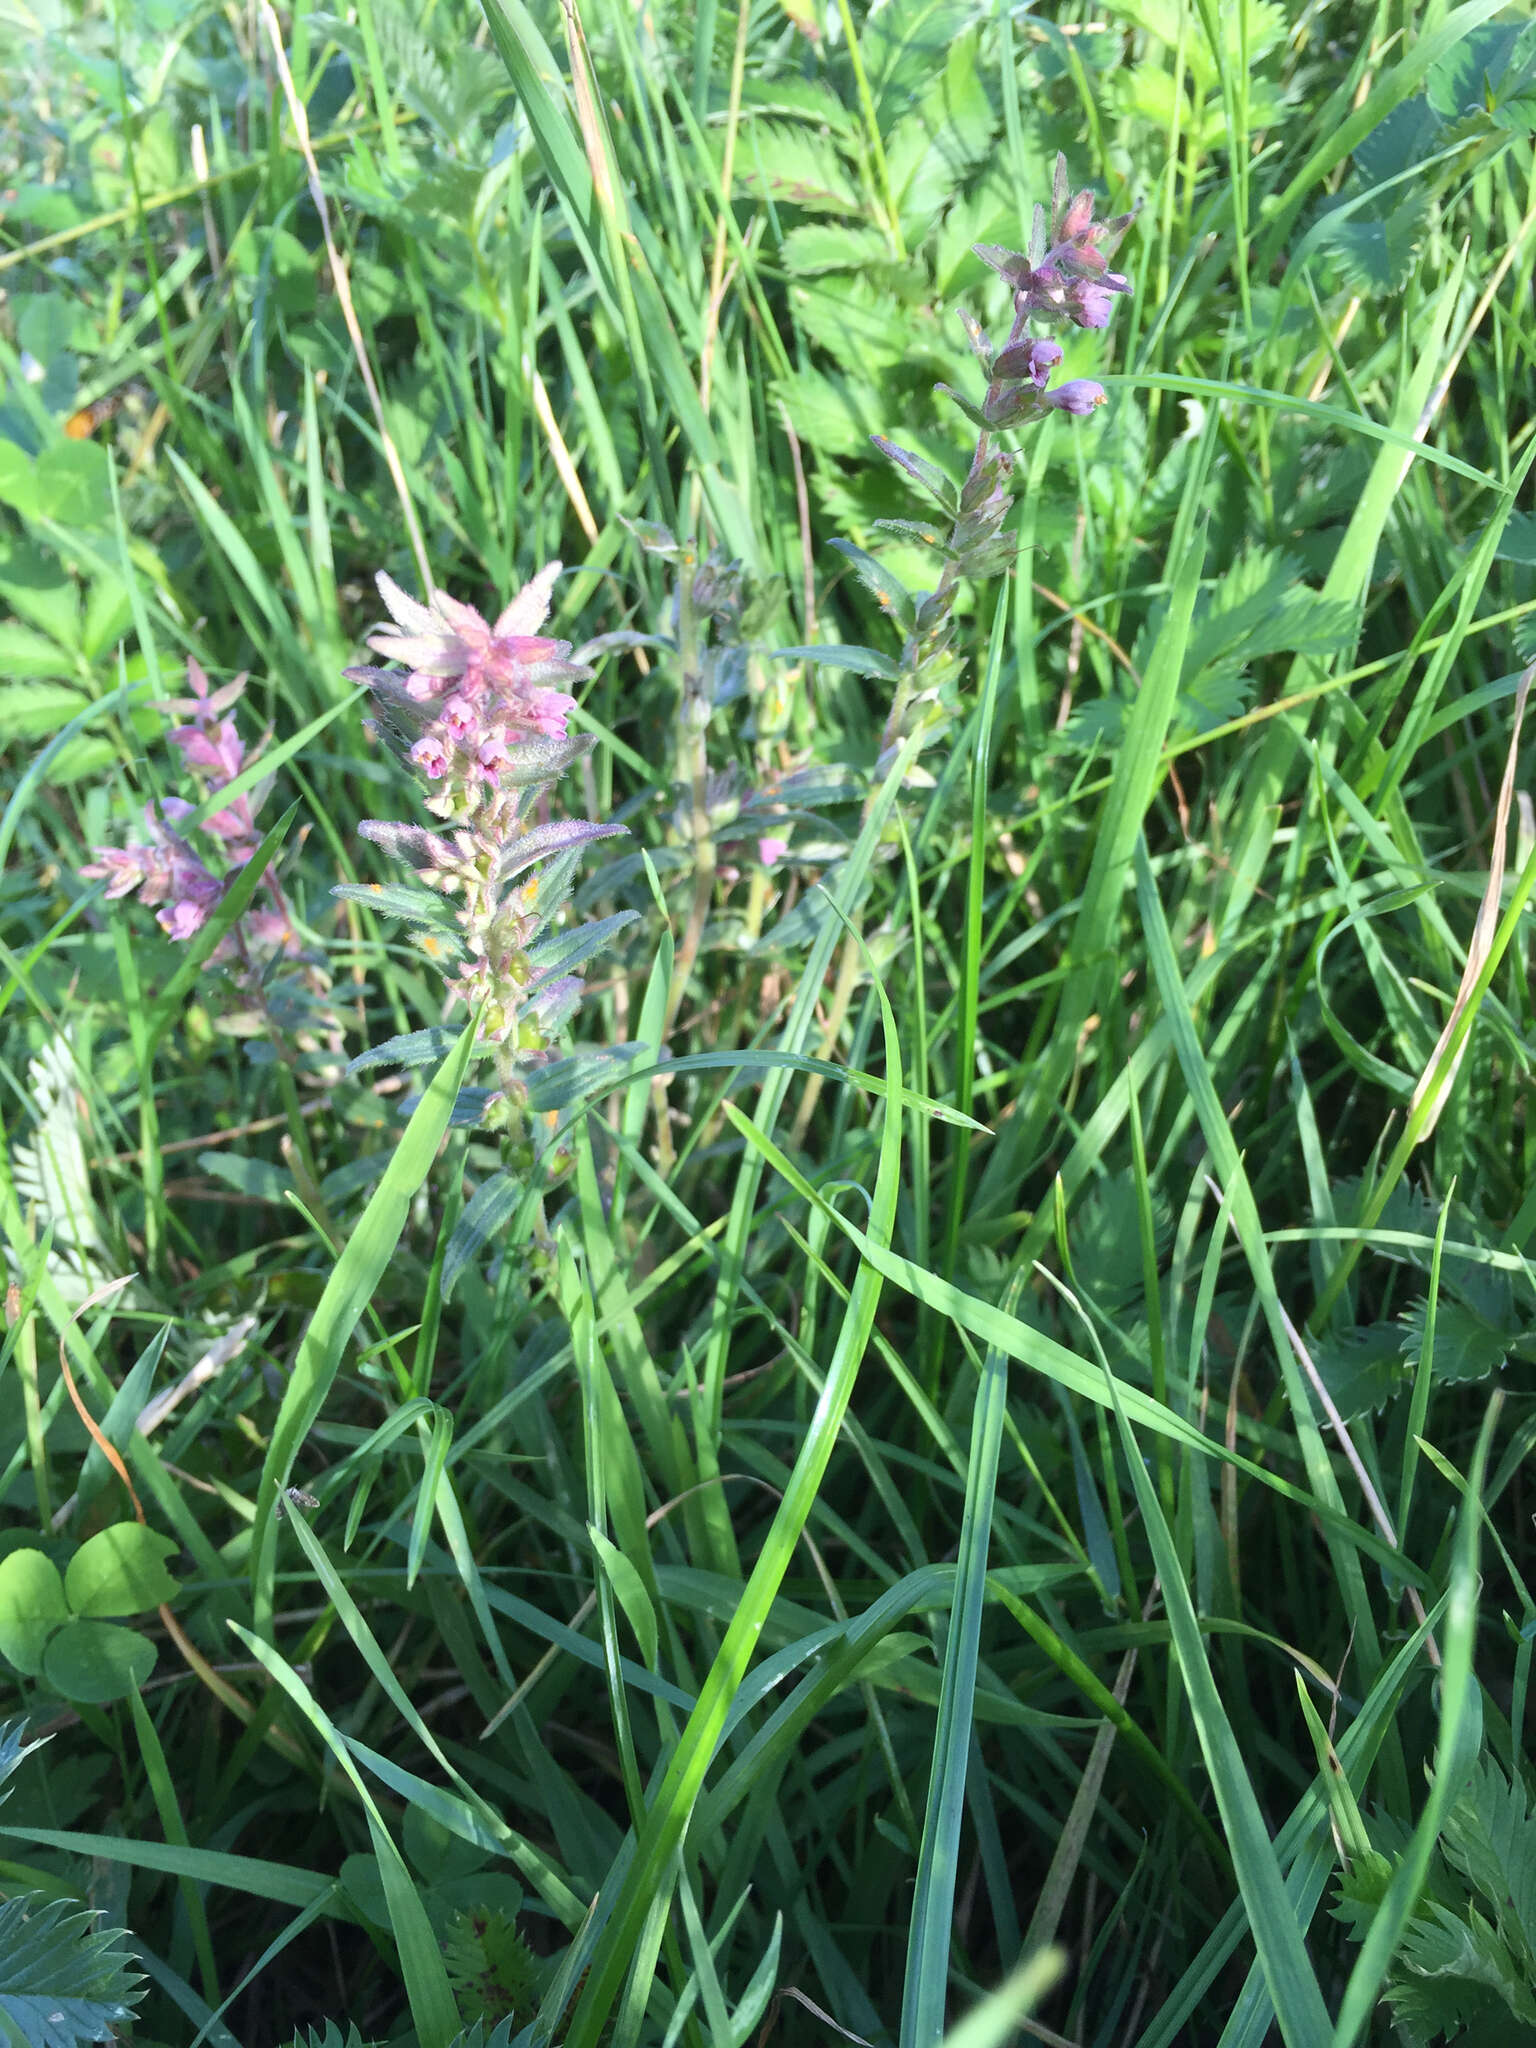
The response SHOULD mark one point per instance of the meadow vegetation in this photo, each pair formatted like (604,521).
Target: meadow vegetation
(764,1022)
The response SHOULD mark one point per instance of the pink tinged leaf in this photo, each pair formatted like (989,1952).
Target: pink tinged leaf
(556,837)
(1078,219)
(405,611)
(433,653)
(412,843)
(530,608)
(461,619)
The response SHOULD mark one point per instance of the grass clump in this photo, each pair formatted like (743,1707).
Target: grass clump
(849,1352)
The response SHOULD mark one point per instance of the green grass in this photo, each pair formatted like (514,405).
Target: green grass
(989,1501)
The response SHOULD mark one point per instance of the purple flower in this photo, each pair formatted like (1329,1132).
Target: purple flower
(1090,305)
(1029,359)
(1067,276)
(167,871)
(1079,395)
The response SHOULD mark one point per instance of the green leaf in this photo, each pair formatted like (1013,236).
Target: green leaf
(72,484)
(258,1179)
(18,479)
(63,1978)
(32,1606)
(491,1205)
(1467,1347)
(374,1242)
(629,1591)
(97,1660)
(121,1570)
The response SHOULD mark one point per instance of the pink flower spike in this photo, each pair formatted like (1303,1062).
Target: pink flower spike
(770,850)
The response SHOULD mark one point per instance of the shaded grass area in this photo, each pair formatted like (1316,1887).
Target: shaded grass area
(1027,1468)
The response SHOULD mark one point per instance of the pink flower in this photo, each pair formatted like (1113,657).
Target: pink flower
(431,756)
(483,689)
(771,849)
(167,868)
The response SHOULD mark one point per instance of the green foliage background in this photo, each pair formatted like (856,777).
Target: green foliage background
(1057,1478)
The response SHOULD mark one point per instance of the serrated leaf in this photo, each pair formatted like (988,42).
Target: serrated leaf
(927,475)
(399,899)
(409,1049)
(1409,134)
(793,167)
(1517,543)
(1466,1346)
(1490,1837)
(828,411)
(30,707)
(331,2036)
(1466,1957)
(15,1749)
(1362,1369)
(819,246)
(560,1083)
(859,661)
(64,1979)
(1378,254)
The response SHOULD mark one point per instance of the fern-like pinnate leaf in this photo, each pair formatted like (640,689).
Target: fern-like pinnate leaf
(64,1978)
(330,2036)
(14,1749)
